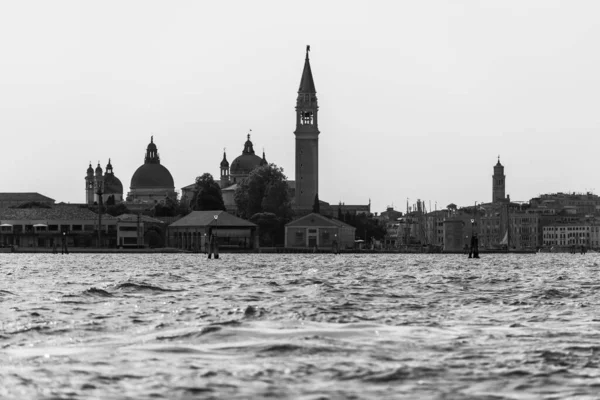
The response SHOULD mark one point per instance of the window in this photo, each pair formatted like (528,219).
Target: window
(307,118)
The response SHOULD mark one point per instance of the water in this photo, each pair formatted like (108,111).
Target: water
(300,326)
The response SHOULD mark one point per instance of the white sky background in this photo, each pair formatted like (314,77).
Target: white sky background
(417,98)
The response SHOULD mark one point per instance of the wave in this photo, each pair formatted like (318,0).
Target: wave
(95,292)
(142,287)
(192,335)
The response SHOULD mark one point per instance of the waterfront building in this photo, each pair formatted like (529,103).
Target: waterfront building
(138,230)
(193,232)
(152,182)
(43,227)
(315,230)
(565,235)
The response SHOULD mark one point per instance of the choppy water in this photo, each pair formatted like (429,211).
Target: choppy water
(300,326)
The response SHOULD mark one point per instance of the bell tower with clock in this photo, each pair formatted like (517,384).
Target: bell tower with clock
(307,140)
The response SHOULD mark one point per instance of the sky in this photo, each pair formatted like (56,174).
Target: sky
(417,99)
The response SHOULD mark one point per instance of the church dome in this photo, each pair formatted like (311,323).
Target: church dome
(245,163)
(152,175)
(112,184)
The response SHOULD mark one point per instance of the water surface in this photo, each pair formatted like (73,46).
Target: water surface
(299,326)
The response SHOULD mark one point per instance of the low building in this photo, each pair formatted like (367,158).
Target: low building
(454,238)
(572,234)
(138,230)
(315,230)
(193,232)
(43,227)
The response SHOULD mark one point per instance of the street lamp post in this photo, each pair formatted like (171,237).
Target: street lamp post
(99,192)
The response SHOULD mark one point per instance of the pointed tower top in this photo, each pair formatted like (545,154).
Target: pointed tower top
(109,168)
(224,162)
(307,84)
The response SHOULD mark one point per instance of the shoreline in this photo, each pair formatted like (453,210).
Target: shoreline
(264,250)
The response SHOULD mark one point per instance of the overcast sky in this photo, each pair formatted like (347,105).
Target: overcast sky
(417,98)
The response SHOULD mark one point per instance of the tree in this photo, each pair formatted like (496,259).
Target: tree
(316,205)
(117,210)
(264,190)
(207,194)
(264,197)
(368,227)
(170,208)
(268,225)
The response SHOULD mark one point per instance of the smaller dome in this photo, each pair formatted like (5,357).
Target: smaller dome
(112,184)
(245,163)
(90,170)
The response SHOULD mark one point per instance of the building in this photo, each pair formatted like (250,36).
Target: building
(307,140)
(109,185)
(242,165)
(567,235)
(43,227)
(152,182)
(498,183)
(316,230)
(454,235)
(304,188)
(17,199)
(193,232)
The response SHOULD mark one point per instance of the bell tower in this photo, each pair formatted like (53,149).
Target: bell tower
(224,170)
(89,185)
(498,183)
(307,139)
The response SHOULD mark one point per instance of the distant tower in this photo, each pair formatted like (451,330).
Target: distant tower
(307,140)
(224,169)
(89,185)
(99,180)
(498,183)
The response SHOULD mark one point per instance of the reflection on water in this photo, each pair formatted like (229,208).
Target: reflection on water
(300,326)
